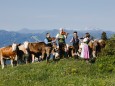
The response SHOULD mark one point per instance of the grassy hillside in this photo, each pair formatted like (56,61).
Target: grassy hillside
(67,72)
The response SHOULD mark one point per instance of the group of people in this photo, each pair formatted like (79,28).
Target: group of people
(79,44)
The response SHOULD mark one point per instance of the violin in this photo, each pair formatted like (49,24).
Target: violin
(64,33)
(53,38)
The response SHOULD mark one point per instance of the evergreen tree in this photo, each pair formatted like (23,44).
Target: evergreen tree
(104,36)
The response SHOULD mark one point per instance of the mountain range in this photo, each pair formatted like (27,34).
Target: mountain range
(8,37)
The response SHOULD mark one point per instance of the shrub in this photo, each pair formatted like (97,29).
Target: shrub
(109,48)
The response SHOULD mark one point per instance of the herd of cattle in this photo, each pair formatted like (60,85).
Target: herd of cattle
(27,51)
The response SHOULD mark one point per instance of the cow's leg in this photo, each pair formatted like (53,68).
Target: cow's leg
(54,56)
(48,51)
(26,58)
(43,55)
(66,52)
(72,53)
(94,53)
(16,60)
(2,63)
(11,62)
(47,57)
(33,58)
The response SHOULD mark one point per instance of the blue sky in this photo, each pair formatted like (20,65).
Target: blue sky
(53,14)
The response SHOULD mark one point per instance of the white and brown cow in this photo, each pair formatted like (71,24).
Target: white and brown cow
(95,46)
(8,52)
(68,51)
(22,54)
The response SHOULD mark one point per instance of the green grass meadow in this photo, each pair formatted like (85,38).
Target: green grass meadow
(66,72)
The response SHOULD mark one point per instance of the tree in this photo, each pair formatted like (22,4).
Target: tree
(113,37)
(104,36)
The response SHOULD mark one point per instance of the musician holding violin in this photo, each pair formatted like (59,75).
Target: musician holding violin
(61,36)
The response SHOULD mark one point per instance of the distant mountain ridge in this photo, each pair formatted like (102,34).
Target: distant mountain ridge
(8,37)
(26,31)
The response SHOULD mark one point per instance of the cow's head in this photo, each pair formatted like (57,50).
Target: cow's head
(55,51)
(14,47)
(22,48)
(26,43)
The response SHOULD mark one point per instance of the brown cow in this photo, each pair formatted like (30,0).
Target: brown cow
(37,49)
(95,46)
(8,52)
